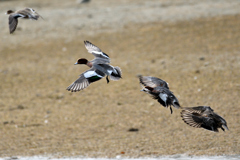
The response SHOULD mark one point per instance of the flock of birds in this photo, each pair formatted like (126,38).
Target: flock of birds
(199,117)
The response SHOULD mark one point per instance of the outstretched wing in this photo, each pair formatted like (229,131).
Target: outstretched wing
(28,13)
(85,80)
(37,15)
(192,120)
(198,110)
(152,82)
(79,84)
(95,50)
(13,21)
(199,121)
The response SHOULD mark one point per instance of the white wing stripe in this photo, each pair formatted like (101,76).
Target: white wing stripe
(96,52)
(101,53)
(91,74)
(21,15)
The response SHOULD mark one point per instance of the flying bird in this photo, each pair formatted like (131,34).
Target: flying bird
(99,68)
(203,117)
(27,13)
(159,90)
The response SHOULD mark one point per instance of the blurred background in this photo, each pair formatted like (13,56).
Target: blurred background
(193,45)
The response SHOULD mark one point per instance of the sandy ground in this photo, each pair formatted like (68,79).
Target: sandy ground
(193,45)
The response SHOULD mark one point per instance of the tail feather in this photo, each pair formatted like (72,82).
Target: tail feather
(116,75)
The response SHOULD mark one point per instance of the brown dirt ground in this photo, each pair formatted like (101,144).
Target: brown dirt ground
(38,116)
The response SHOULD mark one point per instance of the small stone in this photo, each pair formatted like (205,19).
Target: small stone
(197,71)
(133,130)
(6,122)
(201,58)
(20,107)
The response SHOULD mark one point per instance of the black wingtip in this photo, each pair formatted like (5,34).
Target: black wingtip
(140,79)
(86,41)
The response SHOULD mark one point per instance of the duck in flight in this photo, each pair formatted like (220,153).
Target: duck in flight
(203,117)
(159,90)
(27,13)
(99,68)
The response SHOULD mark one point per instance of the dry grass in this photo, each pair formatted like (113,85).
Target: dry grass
(94,122)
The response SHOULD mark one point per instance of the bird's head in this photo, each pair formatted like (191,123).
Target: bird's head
(9,12)
(82,61)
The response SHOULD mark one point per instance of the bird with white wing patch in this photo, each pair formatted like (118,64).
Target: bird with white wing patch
(99,68)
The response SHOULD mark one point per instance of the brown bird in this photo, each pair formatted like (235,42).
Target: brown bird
(203,117)
(27,13)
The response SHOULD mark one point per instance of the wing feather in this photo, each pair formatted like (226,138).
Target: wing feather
(13,21)
(95,50)
(152,81)
(191,120)
(79,84)
(198,110)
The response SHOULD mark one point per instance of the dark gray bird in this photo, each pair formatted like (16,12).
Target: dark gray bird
(159,90)
(203,117)
(27,13)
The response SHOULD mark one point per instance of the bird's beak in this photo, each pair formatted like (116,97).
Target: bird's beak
(75,63)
